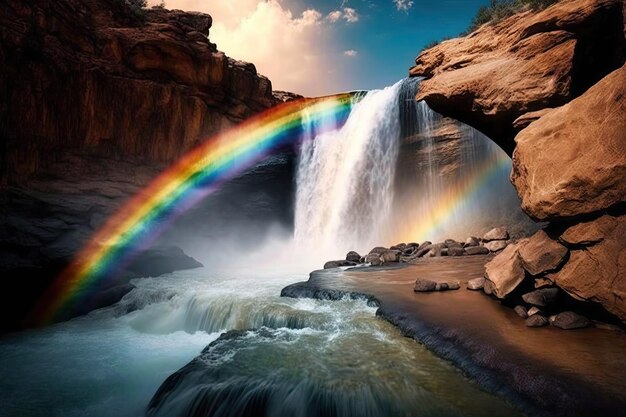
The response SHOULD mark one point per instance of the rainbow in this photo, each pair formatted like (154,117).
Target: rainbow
(434,220)
(192,178)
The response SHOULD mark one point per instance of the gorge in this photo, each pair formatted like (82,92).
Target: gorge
(206,263)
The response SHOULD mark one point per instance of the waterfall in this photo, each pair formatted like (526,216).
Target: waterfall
(398,171)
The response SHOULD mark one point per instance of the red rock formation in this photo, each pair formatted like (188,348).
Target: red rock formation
(90,76)
(525,63)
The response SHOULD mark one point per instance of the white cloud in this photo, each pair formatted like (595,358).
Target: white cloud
(291,50)
(403,5)
(346,13)
(351,53)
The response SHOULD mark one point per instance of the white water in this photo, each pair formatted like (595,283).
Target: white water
(345,177)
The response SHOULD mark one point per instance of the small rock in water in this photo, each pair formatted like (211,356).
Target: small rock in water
(424,285)
(496,245)
(409,250)
(471,242)
(444,252)
(498,233)
(373,259)
(456,251)
(378,250)
(441,286)
(568,320)
(390,256)
(536,320)
(533,310)
(489,287)
(476,250)
(451,243)
(521,311)
(476,284)
(352,256)
(542,297)
(337,264)
(436,249)
(399,246)
(455,285)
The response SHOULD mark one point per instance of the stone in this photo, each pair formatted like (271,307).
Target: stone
(505,271)
(338,264)
(476,250)
(533,310)
(568,320)
(399,246)
(409,250)
(436,249)
(536,320)
(598,273)
(541,254)
(454,285)
(495,245)
(373,259)
(441,286)
(476,284)
(542,297)
(390,256)
(489,288)
(379,250)
(521,311)
(353,256)
(581,168)
(424,285)
(498,233)
(456,251)
(471,242)
(524,63)
(159,260)
(589,232)
(541,282)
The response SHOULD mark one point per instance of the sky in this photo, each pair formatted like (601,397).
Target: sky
(318,47)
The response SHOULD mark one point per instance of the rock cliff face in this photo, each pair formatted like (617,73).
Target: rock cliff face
(95,101)
(549,88)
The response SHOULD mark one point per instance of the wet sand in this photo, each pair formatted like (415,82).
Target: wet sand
(543,371)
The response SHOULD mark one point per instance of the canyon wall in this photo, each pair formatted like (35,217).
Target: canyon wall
(95,100)
(549,88)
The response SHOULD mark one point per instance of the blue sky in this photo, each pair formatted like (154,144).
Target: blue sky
(316,47)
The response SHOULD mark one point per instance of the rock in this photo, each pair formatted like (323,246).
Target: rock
(476,250)
(505,271)
(352,256)
(542,297)
(476,284)
(160,260)
(582,164)
(489,288)
(444,252)
(568,320)
(471,242)
(495,245)
(498,233)
(390,256)
(409,250)
(373,259)
(456,251)
(543,282)
(339,263)
(436,249)
(399,246)
(424,285)
(598,273)
(521,311)
(536,320)
(541,254)
(524,120)
(524,63)
(378,250)
(590,232)
(533,310)
(452,285)
(441,286)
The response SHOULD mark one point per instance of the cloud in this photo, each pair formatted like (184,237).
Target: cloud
(351,53)
(346,13)
(291,50)
(403,5)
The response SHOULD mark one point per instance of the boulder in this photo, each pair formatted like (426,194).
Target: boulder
(159,260)
(536,320)
(399,246)
(581,168)
(495,245)
(568,320)
(589,232)
(373,259)
(352,256)
(476,250)
(390,256)
(541,254)
(498,233)
(409,250)
(505,271)
(471,241)
(533,310)
(542,297)
(476,284)
(545,281)
(436,249)
(521,311)
(378,250)
(598,273)
(489,288)
(424,285)
(337,264)
(456,251)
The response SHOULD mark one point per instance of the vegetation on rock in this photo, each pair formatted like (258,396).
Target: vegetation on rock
(501,9)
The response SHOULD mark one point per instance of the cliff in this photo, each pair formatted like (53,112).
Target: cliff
(548,87)
(95,100)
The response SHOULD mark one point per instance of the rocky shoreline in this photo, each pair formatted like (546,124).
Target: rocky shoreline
(541,371)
